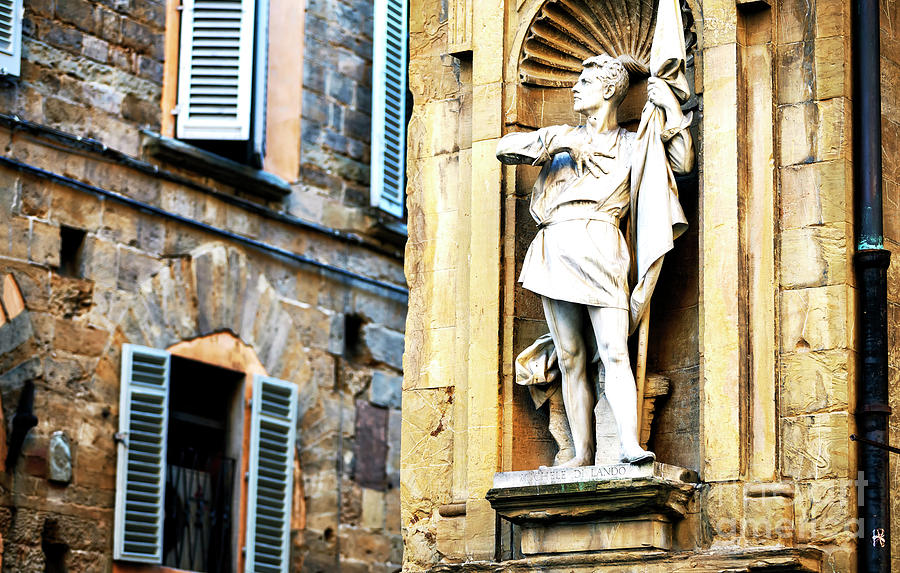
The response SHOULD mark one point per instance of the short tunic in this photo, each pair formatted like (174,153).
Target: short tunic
(579,253)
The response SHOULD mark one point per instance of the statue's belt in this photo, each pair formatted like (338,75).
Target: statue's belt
(583,211)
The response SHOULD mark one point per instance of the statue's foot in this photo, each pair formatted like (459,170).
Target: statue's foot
(637,455)
(563,456)
(577,462)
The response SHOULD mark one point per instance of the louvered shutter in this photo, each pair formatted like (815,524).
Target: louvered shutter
(271,479)
(215,72)
(10,37)
(143,420)
(389,106)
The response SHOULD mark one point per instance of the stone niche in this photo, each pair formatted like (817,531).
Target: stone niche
(553,39)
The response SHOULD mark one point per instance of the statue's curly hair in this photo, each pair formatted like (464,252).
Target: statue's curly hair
(611,71)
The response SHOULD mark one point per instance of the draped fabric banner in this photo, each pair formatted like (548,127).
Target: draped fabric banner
(656,215)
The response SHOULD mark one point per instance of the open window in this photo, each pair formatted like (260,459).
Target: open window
(181,437)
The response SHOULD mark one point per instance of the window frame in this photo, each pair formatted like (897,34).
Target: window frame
(242,524)
(284,66)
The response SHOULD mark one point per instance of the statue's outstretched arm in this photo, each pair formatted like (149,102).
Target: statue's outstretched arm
(523,148)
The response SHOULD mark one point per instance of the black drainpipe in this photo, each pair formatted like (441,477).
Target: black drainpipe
(871,262)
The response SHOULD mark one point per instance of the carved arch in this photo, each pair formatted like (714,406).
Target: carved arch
(215,289)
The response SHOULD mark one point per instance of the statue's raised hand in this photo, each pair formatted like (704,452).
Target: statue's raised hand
(660,94)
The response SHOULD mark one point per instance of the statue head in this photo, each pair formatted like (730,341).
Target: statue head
(603,82)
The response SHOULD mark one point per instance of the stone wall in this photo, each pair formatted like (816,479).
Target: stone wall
(763,406)
(94,69)
(337,108)
(890,141)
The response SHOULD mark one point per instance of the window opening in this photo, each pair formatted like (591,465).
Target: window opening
(203,448)
(71,251)
(54,549)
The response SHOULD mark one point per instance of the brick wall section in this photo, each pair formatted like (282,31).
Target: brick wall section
(337,104)
(91,67)
(94,68)
(890,128)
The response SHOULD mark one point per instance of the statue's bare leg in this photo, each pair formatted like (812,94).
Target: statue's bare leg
(565,320)
(611,330)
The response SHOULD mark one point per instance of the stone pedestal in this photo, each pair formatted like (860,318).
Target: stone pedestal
(595,508)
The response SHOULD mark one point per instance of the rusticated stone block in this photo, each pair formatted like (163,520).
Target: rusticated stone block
(373,508)
(426,453)
(768,516)
(816,446)
(826,511)
(370,455)
(814,131)
(832,18)
(134,268)
(816,319)
(815,194)
(796,21)
(384,345)
(723,511)
(75,208)
(45,242)
(815,256)
(832,67)
(795,81)
(814,382)
(79,339)
(385,390)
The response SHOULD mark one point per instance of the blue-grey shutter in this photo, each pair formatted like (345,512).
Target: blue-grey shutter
(260,80)
(141,471)
(389,106)
(10,37)
(215,71)
(271,478)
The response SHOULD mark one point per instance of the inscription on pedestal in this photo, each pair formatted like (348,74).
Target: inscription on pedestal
(552,476)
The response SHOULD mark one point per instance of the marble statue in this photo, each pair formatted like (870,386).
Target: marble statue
(593,176)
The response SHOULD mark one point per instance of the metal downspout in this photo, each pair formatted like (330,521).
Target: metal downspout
(871,262)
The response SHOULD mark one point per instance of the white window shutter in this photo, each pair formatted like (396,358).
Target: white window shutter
(389,106)
(215,70)
(141,473)
(271,480)
(10,37)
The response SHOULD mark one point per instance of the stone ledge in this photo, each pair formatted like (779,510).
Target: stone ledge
(594,492)
(242,177)
(733,560)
